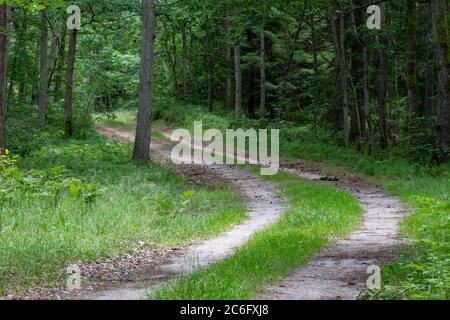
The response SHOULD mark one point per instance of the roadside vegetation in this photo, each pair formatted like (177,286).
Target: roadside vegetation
(318,214)
(78,200)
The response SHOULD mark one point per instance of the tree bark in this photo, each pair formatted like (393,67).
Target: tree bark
(4,24)
(411,76)
(184,61)
(43,73)
(382,99)
(228,93)
(367,102)
(210,100)
(440,24)
(70,83)
(238,76)
(263,73)
(60,67)
(141,152)
(339,43)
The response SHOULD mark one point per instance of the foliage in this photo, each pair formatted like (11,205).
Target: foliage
(423,272)
(81,200)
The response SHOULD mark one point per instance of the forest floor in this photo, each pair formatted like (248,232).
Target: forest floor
(337,272)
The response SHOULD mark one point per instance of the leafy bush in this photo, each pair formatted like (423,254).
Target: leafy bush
(52,183)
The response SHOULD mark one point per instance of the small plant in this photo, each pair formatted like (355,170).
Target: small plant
(164,205)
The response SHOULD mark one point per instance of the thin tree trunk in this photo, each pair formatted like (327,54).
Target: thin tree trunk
(382,99)
(210,100)
(53,63)
(60,68)
(184,62)
(344,84)
(4,24)
(238,76)
(440,23)
(263,73)
(34,85)
(314,44)
(315,60)
(141,152)
(43,73)
(367,102)
(70,83)
(411,74)
(339,43)
(228,93)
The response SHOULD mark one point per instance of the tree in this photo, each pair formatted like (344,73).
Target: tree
(263,72)
(43,73)
(411,73)
(68,103)
(228,63)
(141,151)
(339,44)
(238,79)
(440,23)
(383,89)
(4,23)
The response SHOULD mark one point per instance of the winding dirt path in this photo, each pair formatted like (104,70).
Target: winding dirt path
(340,272)
(264,207)
(337,272)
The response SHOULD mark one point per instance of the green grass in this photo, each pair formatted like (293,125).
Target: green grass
(423,270)
(318,214)
(137,204)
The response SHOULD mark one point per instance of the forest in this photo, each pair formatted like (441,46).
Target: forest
(92,207)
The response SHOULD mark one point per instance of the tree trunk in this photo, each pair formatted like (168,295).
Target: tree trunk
(339,43)
(440,23)
(4,23)
(314,44)
(60,68)
(367,102)
(43,73)
(210,100)
(263,73)
(70,83)
(238,76)
(141,152)
(184,62)
(228,93)
(429,101)
(382,99)
(53,64)
(411,73)
(34,85)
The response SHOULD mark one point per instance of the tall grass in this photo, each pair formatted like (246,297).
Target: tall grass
(318,213)
(138,204)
